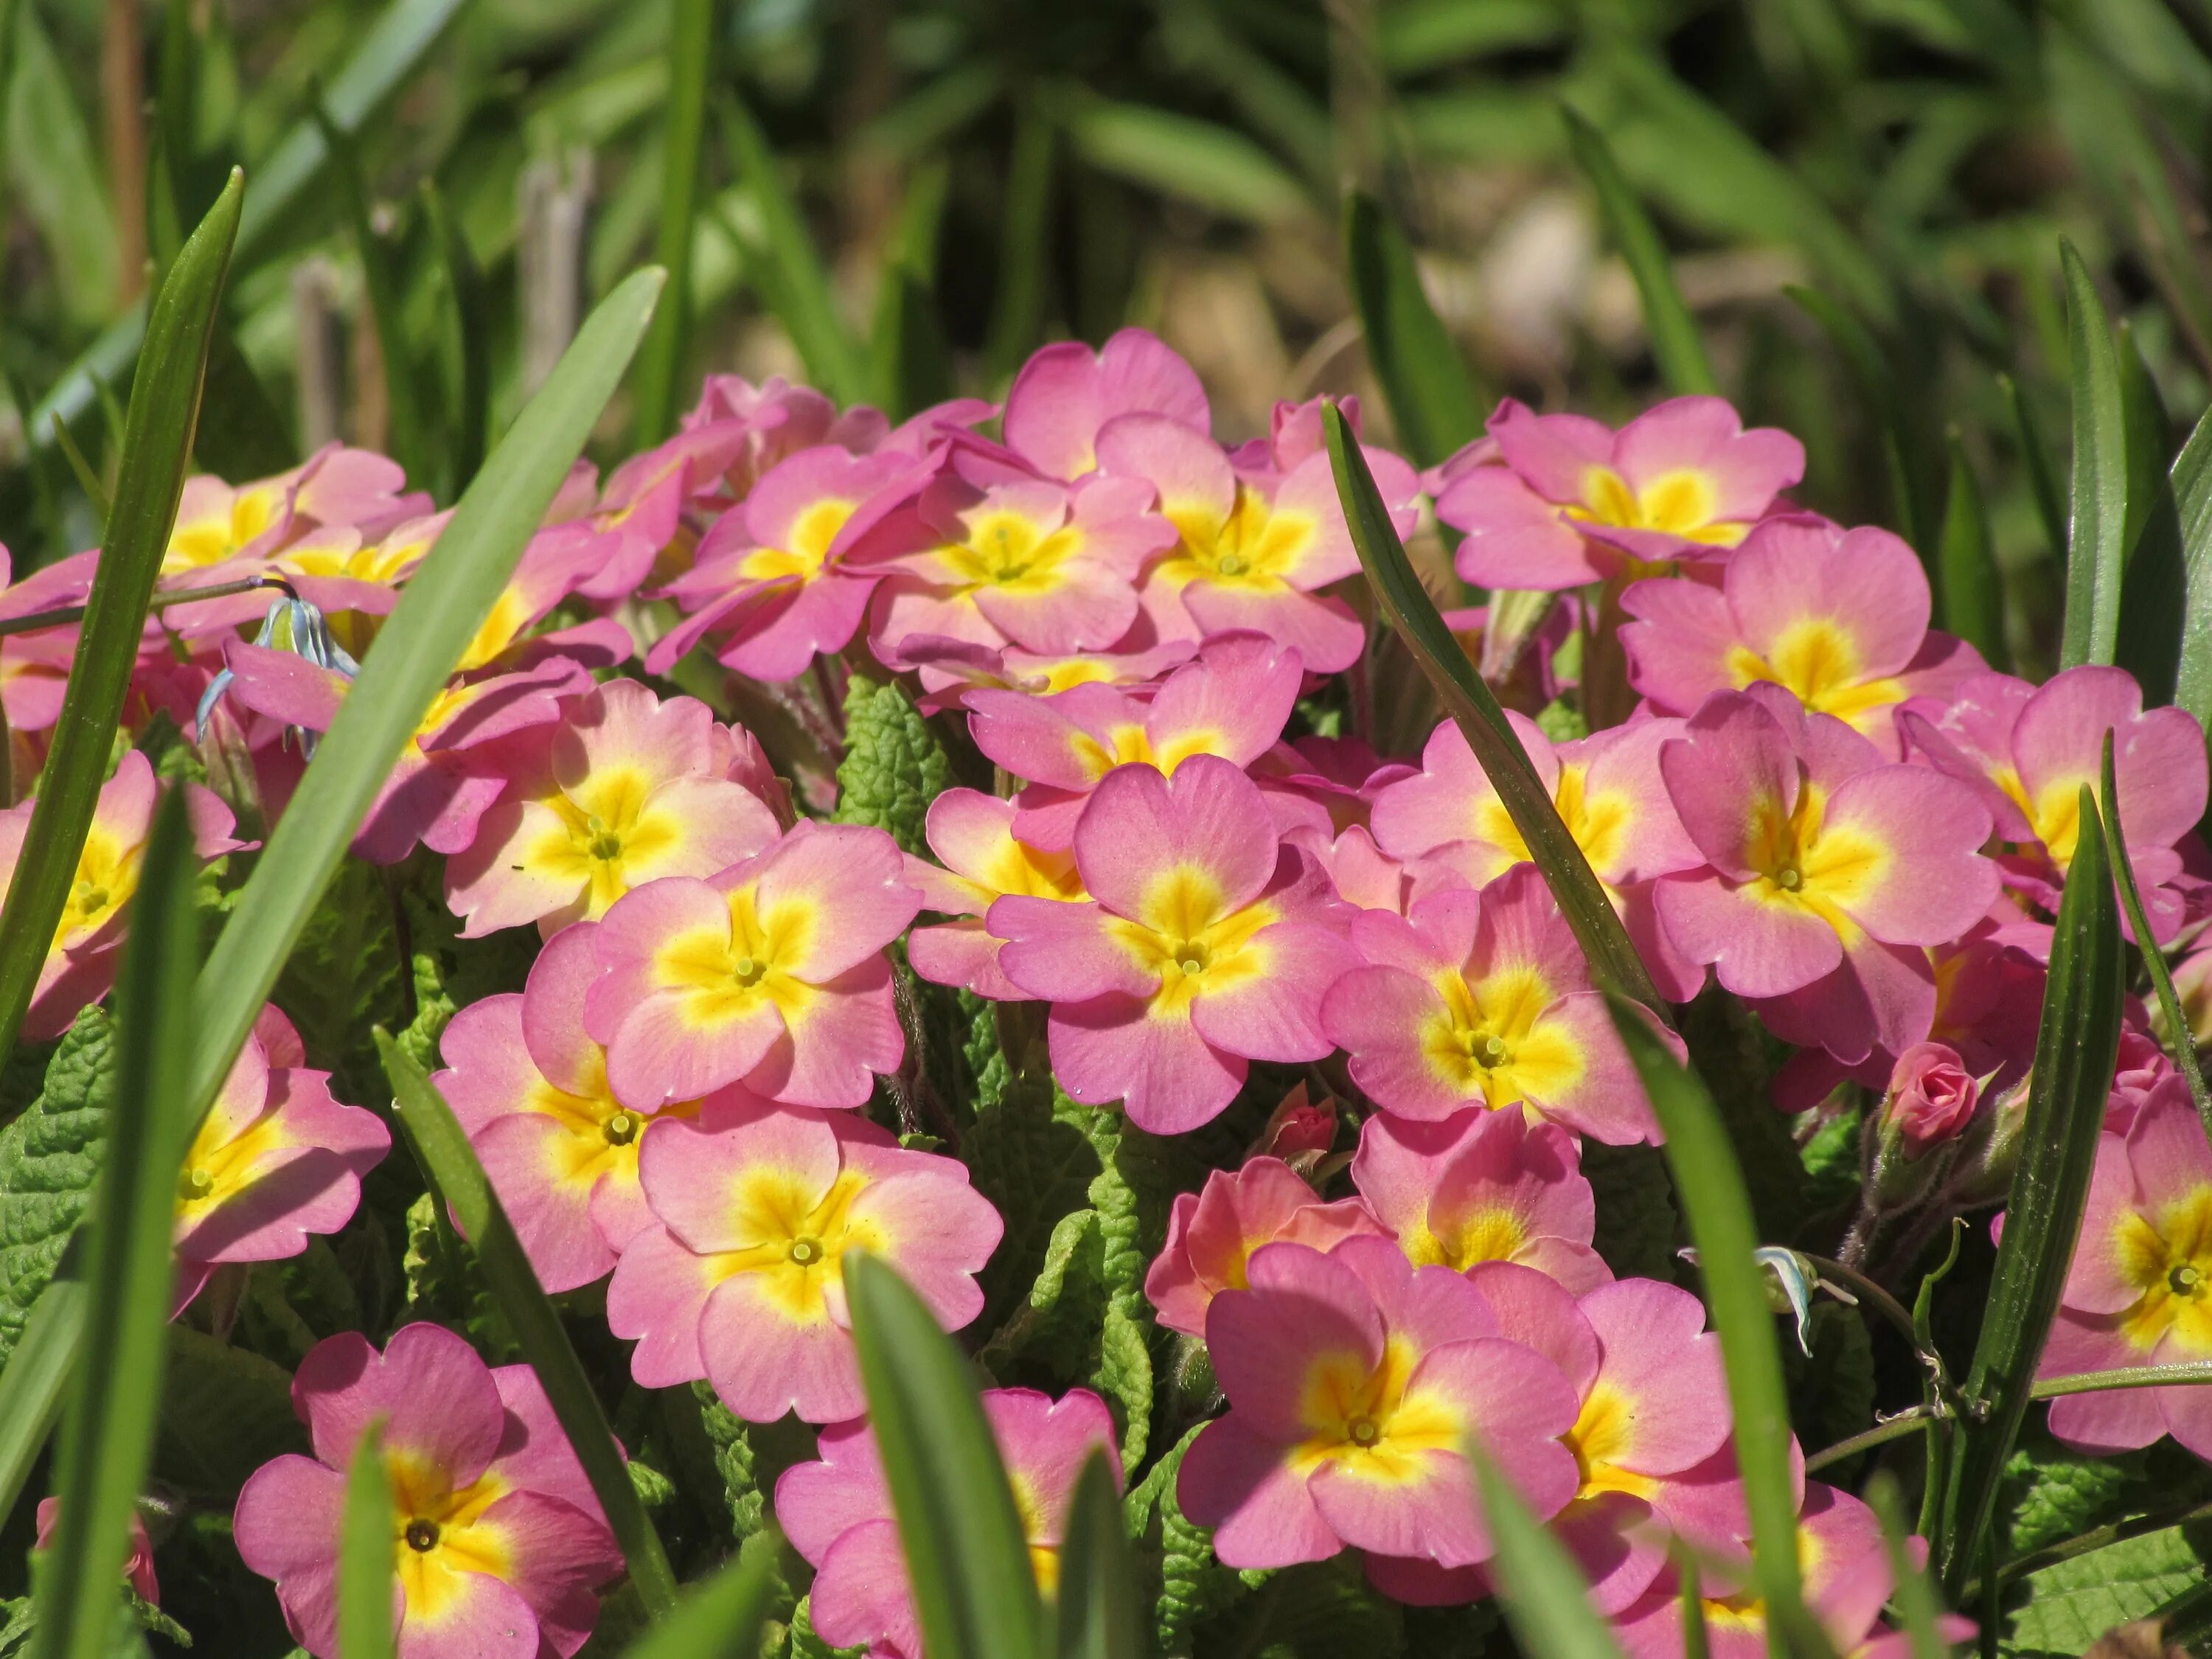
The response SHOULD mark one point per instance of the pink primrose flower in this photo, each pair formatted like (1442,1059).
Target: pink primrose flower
(1066,392)
(137,1568)
(218,524)
(1354,1381)
(1932,1096)
(1213,1233)
(973,833)
(1831,872)
(771,973)
(1574,502)
(952,669)
(1483,1000)
(837,1512)
(1205,945)
(1369,880)
(498,1541)
(740,1277)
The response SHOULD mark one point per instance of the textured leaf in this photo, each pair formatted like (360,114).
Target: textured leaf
(805,1644)
(734,1461)
(49,1160)
(1638,1225)
(2051,1492)
(225,1412)
(1193,1583)
(2066,1606)
(894,766)
(1035,1169)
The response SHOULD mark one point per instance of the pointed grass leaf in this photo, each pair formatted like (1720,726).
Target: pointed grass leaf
(365,1567)
(660,361)
(87,476)
(107,1430)
(723,1618)
(2161,975)
(1025,243)
(1096,1608)
(1872,376)
(2153,588)
(458,1179)
(967,1556)
(1435,404)
(33,1381)
(1676,345)
(1181,157)
(2035,459)
(2075,1048)
(439,612)
(2096,544)
(165,405)
(1717,1207)
(1914,1596)
(2190,482)
(1547,1600)
(467,349)
(1613,962)
(1969,588)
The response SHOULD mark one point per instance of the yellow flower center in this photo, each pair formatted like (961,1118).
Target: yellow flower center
(1803,864)
(2168,1258)
(1491,1042)
(1818,661)
(1186,934)
(1366,1422)
(811,535)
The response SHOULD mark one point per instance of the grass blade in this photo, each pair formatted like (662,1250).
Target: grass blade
(108,1433)
(2161,975)
(966,1554)
(31,1385)
(2042,480)
(460,1182)
(2096,524)
(2074,1050)
(87,477)
(1025,233)
(723,1618)
(909,359)
(1676,346)
(165,405)
(1546,1601)
(1097,1603)
(2192,483)
(438,613)
(1435,404)
(1708,1185)
(660,361)
(367,1569)
(2152,590)
(468,348)
(1613,962)
(1870,373)
(1969,590)
(1914,1595)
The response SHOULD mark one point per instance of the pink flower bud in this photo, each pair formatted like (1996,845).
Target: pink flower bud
(1931,1096)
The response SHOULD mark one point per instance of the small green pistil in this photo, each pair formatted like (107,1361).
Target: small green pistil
(2182,1281)
(622,1128)
(1231,564)
(747,970)
(194,1185)
(806,1251)
(1789,879)
(1494,1050)
(1191,955)
(604,844)
(421,1535)
(1363,1430)
(87,898)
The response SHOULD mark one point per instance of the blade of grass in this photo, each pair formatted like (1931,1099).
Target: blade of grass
(1025,233)
(1969,590)
(438,613)
(1708,1185)
(108,1432)
(1914,1595)
(1097,1607)
(2153,590)
(911,362)
(450,1163)
(1676,345)
(367,1569)
(87,477)
(722,1619)
(660,361)
(2097,523)
(1546,1599)
(966,1557)
(1870,373)
(31,1388)
(2161,976)
(2075,1047)
(1435,404)
(1697,1639)
(165,403)
(2042,480)
(468,348)
(2190,482)
(1613,962)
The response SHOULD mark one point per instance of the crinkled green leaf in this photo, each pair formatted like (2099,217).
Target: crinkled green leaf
(2066,1606)
(1193,1583)
(2051,1493)
(1730,1051)
(49,1160)
(805,1644)
(1035,1169)
(735,1461)
(1322,1610)
(894,766)
(1638,1225)
(225,1412)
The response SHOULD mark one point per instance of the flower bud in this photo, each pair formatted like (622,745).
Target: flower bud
(1932,1096)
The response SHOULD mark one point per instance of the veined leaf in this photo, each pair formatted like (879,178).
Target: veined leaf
(1435,405)
(2192,483)
(1969,589)
(107,1433)
(684,138)
(1547,1598)
(2161,975)
(1676,345)
(1613,962)
(365,1568)
(2075,1048)
(33,1383)
(2096,545)
(1096,1608)
(974,1589)
(165,403)
(722,1619)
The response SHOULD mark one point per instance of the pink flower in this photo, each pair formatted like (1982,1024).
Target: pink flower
(139,1570)
(952,669)
(1213,1233)
(630,789)
(1482,1186)
(1205,945)
(497,1537)
(1837,618)
(1254,546)
(1832,870)
(1483,1000)
(837,1512)
(740,1279)
(1369,880)
(1354,1381)
(1575,503)
(973,833)
(1232,702)
(2139,1291)
(1932,1096)
(1065,393)
(275,1159)
(771,973)
(1330,783)
(216,524)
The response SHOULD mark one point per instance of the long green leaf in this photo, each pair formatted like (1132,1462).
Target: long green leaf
(909,359)
(165,405)
(1710,1186)
(1024,246)
(1215,166)
(1871,374)
(439,612)
(966,1554)
(722,1619)
(1435,405)
(35,1378)
(1547,1598)
(1676,345)
(660,361)
(366,1564)
(2074,1050)
(2190,482)
(1969,589)
(1613,962)
(2153,588)
(451,1164)
(468,349)
(1914,1595)
(2161,976)
(2097,525)
(1096,1610)
(2042,480)
(107,1433)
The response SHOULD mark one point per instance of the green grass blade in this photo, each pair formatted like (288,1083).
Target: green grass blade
(450,1165)
(1969,589)
(1710,1186)
(468,348)
(1096,1610)
(2075,1050)
(439,612)
(165,405)
(2097,523)
(1915,1597)
(1676,345)
(660,361)
(87,477)
(1613,962)
(31,1385)
(2190,482)
(2042,480)
(1025,252)
(2161,975)
(1546,1597)
(966,1553)
(1870,373)
(722,1619)
(1696,1638)
(367,1569)
(910,361)
(2153,588)
(1435,404)
(107,1433)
